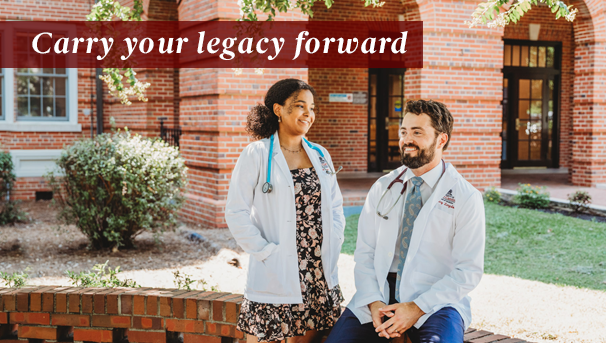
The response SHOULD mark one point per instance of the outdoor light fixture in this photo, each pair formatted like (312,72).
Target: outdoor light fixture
(533,31)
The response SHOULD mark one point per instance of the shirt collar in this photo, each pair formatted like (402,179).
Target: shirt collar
(430,178)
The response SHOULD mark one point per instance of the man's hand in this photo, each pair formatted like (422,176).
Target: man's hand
(402,317)
(377,316)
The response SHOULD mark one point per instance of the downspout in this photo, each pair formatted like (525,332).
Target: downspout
(99,92)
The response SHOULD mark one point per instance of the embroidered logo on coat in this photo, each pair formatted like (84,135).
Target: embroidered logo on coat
(448,200)
(324,164)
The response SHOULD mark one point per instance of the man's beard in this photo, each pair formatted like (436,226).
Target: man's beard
(424,156)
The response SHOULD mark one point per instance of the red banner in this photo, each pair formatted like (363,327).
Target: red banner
(181,44)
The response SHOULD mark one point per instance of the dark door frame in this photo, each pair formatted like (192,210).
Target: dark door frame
(514,74)
(382,112)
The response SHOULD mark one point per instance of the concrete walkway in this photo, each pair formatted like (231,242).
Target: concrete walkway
(354,187)
(557,185)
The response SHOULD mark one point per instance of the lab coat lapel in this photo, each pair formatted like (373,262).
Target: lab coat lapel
(447,182)
(280,161)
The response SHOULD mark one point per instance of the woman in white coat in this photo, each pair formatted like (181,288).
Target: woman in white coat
(284,208)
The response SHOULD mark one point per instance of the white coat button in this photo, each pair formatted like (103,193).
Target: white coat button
(390,254)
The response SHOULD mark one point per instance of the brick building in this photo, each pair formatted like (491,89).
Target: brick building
(530,95)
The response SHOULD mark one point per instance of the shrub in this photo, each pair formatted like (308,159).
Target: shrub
(579,201)
(184,281)
(492,195)
(16,279)
(116,186)
(98,277)
(531,196)
(9,210)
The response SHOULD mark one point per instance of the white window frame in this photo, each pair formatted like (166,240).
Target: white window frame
(10,122)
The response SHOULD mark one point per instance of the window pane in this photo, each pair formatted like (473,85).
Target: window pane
(60,83)
(507,57)
(524,91)
(395,82)
(525,56)
(34,85)
(60,71)
(536,110)
(515,58)
(373,107)
(22,106)
(373,129)
(535,150)
(373,84)
(22,82)
(60,108)
(533,57)
(542,56)
(47,86)
(34,106)
(47,106)
(537,89)
(550,56)
(47,70)
(523,151)
(524,109)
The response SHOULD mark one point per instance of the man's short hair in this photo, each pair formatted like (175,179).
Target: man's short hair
(441,119)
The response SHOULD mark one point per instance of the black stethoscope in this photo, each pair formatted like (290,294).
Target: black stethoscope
(399,179)
(267,187)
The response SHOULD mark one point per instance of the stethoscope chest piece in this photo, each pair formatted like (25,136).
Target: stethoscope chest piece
(267,187)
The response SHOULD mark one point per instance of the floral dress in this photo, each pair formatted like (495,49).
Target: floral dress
(321,306)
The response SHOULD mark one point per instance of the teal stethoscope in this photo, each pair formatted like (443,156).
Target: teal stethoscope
(267,187)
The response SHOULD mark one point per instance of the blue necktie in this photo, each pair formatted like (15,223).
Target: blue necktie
(413,206)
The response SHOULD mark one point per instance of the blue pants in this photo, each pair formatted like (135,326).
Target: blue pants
(444,326)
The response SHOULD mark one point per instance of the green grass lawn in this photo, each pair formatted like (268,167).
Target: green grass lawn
(534,245)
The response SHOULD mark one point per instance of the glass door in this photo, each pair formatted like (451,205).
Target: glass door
(530,89)
(386,93)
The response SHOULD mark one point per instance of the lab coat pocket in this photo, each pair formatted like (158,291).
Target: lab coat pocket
(439,229)
(424,279)
(268,275)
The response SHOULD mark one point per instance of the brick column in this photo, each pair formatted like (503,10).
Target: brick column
(213,108)
(589,121)
(462,68)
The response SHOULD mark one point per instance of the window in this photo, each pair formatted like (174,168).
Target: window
(42,94)
(1,83)
(529,56)
(36,98)
(1,92)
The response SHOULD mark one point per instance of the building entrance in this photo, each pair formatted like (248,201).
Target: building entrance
(385,106)
(531,83)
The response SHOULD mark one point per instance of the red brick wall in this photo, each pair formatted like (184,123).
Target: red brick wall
(589,119)
(98,315)
(557,31)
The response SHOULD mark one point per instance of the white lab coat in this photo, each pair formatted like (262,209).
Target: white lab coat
(445,260)
(264,225)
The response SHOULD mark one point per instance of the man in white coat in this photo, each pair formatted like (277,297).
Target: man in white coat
(420,247)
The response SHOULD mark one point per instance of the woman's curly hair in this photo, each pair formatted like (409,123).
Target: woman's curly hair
(261,121)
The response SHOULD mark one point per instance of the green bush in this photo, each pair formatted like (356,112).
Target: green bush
(116,186)
(579,201)
(9,210)
(531,196)
(492,195)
